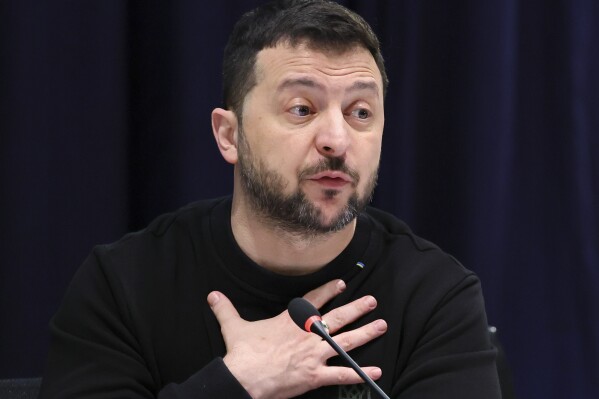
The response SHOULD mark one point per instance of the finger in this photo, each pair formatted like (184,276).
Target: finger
(222,308)
(321,295)
(343,315)
(345,376)
(355,338)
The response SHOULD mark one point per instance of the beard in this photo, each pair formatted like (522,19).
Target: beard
(294,213)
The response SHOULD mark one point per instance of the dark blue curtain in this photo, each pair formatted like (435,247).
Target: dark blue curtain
(490,150)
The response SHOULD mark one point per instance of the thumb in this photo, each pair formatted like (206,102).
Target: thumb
(222,308)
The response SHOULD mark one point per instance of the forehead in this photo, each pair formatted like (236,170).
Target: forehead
(277,65)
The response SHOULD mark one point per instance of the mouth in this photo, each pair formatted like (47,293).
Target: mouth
(331,179)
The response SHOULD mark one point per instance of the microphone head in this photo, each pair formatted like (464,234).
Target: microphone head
(301,311)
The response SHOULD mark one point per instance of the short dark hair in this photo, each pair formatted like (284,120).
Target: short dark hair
(323,25)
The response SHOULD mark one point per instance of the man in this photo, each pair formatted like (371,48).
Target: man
(194,306)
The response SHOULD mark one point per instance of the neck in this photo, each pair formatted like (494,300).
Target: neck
(282,251)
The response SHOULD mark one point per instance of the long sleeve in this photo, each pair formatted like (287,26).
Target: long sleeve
(96,351)
(452,355)
(134,322)
(212,381)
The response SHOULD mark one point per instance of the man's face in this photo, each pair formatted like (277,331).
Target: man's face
(310,143)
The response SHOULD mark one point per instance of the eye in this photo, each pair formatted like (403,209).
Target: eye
(361,113)
(301,110)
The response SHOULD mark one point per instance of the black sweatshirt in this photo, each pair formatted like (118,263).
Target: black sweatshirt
(134,322)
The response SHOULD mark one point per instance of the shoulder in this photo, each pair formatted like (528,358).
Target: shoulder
(396,232)
(164,229)
(393,228)
(130,271)
(427,287)
(168,245)
(413,260)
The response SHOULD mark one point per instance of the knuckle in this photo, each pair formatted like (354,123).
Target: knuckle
(337,318)
(313,381)
(342,377)
(346,343)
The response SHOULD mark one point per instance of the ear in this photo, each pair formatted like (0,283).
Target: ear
(224,127)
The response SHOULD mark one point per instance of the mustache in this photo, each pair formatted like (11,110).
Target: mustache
(330,164)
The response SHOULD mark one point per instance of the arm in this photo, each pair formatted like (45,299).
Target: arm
(452,356)
(95,350)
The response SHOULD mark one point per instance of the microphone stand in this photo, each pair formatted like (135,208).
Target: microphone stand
(319,329)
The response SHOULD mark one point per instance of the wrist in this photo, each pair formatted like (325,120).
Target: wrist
(247,376)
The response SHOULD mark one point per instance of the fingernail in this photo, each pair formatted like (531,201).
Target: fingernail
(213,298)
(341,285)
(371,302)
(376,373)
(380,325)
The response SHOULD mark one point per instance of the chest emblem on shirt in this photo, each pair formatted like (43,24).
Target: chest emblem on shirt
(356,391)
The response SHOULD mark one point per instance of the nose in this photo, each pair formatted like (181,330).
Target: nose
(333,136)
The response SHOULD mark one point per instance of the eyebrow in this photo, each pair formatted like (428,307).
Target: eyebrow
(310,83)
(305,82)
(364,85)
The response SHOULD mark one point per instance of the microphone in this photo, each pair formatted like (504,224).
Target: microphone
(308,318)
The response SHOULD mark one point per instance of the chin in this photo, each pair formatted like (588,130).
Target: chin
(337,217)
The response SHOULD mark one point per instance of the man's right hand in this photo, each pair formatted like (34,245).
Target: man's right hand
(273,358)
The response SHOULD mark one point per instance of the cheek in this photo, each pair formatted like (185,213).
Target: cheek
(282,160)
(369,152)
(289,152)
